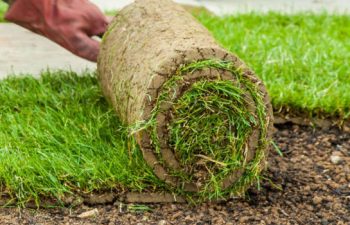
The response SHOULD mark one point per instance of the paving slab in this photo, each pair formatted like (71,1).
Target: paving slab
(23,52)
(230,6)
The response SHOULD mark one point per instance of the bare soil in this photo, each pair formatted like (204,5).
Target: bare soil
(310,184)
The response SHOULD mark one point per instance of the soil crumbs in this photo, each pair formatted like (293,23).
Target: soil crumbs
(309,184)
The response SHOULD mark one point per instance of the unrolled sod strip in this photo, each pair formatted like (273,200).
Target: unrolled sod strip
(201,118)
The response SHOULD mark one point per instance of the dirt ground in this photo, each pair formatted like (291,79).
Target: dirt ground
(310,184)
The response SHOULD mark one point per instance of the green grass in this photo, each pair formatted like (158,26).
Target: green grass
(304,59)
(58,135)
(210,109)
(3,8)
(211,119)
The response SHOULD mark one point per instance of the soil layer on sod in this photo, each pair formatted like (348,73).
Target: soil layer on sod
(200,116)
(301,187)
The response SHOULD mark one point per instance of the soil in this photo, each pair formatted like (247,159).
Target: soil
(310,184)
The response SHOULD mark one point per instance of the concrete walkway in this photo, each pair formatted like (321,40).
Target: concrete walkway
(229,6)
(22,52)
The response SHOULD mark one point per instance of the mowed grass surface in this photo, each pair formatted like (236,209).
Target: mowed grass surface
(3,8)
(58,135)
(304,59)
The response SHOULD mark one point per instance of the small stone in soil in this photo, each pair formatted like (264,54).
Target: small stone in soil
(336,159)
(162,222)
(317,200)
(324,222)
(88,214)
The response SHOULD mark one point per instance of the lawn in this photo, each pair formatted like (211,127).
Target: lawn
(3,8)
(58,135)
(303,59)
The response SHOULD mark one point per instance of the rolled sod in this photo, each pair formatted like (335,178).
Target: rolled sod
(201,117)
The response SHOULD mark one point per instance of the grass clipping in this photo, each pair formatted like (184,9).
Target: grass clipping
(200,117)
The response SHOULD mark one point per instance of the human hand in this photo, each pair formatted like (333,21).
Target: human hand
(69,23)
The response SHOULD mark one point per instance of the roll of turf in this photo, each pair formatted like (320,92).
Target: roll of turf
(200,116)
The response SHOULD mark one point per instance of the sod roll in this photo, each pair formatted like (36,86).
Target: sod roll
(200,116)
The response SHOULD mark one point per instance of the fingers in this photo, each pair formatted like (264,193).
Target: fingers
(109,20)
(100,26)
(85,47)
(97,22)
(70,24)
